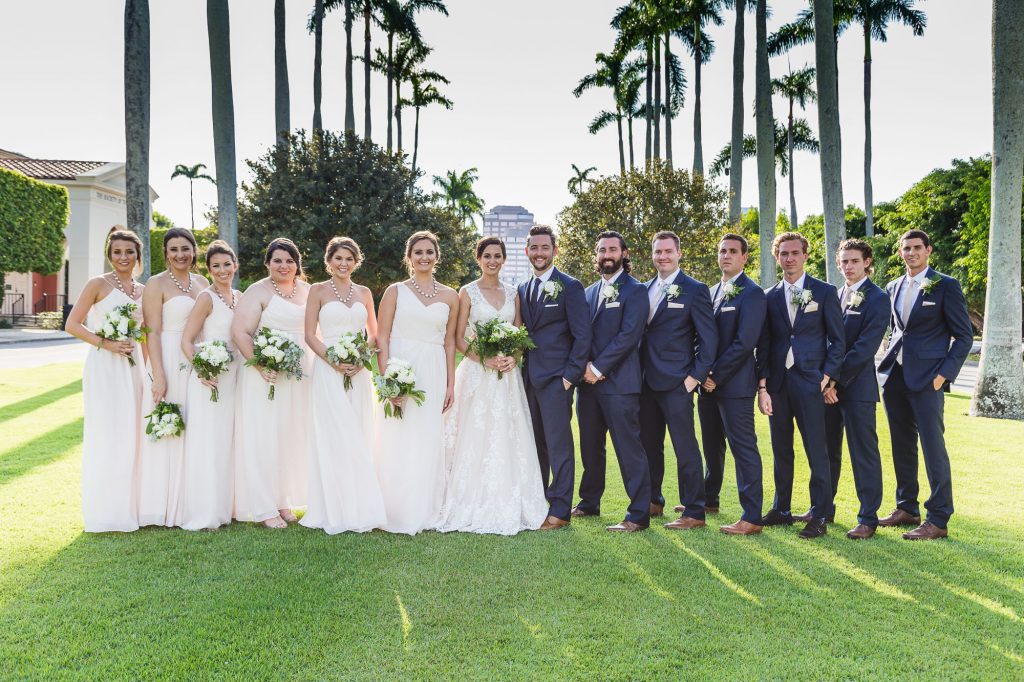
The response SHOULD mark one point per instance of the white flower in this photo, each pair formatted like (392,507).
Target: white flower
(801,297)
(261,341)
(552,289)
(122,327)
(856,298)
(610,292)
(672,291)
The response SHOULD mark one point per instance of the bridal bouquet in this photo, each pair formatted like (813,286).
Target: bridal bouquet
(497,337)
(119,325)
(274,350)
(398,381)
(353,348)
(211,359)
(165,420)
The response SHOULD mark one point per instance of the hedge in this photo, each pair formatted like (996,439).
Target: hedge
(33,216)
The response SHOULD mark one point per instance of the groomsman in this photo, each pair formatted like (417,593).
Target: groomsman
(931,337)
(610,398)
(852,396)
(725,404)
(800,350)
(554,310)
(676,352)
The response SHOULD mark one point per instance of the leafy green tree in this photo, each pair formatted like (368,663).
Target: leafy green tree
(803,140)
(193,173)
(326,185)
(639,204)
(33,216)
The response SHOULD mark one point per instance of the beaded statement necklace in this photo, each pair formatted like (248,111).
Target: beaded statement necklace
(234,301)
(432,294)
(348,297)
(295,289)
(184,290)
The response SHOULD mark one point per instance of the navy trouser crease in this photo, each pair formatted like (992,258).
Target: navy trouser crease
(857,420)
(674,410)
(551,411)
(732,419)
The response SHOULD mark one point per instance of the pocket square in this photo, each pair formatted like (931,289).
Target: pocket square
(676,305)
(811,307)
(853,312)
(729,309)
(550,305)
(924,303)
(613,304)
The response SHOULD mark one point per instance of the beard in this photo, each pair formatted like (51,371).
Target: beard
(609,266)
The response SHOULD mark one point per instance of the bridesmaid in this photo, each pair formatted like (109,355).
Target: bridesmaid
(343,489)
(166,305)
(271,465)
(111,392)
(208,478)
(417,324)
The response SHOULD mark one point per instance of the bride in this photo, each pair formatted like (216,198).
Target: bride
(494,483)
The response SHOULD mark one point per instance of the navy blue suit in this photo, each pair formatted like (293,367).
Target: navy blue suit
(935,339)
(864,326)
(816,337)
(681,340)
(613,404)
(560,327)
(728,411)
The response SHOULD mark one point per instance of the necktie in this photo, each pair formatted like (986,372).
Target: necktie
(719,295)
(791,305)
(844,298)
(909,294)
(659,287)
(535,293)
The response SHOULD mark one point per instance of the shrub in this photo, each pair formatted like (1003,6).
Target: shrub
(33,216)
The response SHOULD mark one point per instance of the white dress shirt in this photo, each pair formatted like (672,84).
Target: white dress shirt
(657,291)
(902,290)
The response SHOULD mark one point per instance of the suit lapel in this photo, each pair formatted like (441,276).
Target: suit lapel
(920,297)
(524,303)
(782,304)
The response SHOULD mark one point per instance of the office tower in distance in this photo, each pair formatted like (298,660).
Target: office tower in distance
(512,225)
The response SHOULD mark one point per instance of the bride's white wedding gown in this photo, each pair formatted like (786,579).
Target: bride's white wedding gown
(494,483)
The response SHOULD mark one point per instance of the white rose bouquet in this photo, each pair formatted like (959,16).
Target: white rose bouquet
(398,381)
(353,348)
(164,421)
(497,337)
(119,325)
(274,350)
(211,359)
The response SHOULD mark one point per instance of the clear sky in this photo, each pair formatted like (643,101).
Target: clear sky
(513,65)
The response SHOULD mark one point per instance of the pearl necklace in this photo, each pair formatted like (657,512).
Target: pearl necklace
(422,293)
(351,290)
(295,289)
(178,284)
(233,303)
(117,281)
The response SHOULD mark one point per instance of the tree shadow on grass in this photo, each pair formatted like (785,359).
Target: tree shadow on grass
(14,410)
(45,448)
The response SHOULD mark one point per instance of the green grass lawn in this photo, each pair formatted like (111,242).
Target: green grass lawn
(581,603)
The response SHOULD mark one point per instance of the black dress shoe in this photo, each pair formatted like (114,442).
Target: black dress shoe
(776,518)
(815,528)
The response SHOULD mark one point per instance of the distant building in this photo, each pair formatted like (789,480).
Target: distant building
(512,225)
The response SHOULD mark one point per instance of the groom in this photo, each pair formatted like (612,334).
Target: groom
(554,310)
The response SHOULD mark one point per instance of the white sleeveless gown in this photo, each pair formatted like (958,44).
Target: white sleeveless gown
(112,396)
(343,490)
(271,436)
(208,488)
(494,483)
(410,454)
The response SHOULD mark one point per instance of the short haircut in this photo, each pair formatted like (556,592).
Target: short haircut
(916,234)
(732,236)
(541,230)
(789,237)
(666,234)
(865,249)
(482,245)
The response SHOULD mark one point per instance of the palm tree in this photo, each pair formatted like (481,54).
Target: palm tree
(610,72)
(329,5)
(765,122)
(281,95)
(424,93)
(694,16)
(316,26)
(638,28)
(368,16)
(800,139)
(193,173)
(633,82)
(136,122)
(218,30)
(577,183)
(1000,388)
(406,62)
(458,196)
(798,88)
(831,138)
(736,163)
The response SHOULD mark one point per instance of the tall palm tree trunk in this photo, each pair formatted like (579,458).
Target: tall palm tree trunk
(282,103)
(218,29)
(318,60)
(869,203)
(765,129)
(831,139)
(367,16)
(622,152)
(1000,388)
(650,104)
(698,150)
(391,93)
(793,224)
(398,114)
(668,102)
(136,122)
(350,115)
(657,97)
(736,156)
(191,203)
(629,127)
(415,142)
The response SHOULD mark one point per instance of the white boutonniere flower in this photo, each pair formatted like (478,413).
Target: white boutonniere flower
(672,291)
(731,291)
(856,298)
(930,284)
(610,292)
(802,297)
(552,289)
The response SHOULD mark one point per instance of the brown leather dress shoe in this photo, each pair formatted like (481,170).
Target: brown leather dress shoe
(711,508)
(899,518)
(926,531)
(553,523)
(685,523)
(626,526)
(741,527)
(657,509)
(805,517)
(860,532)
(576,511)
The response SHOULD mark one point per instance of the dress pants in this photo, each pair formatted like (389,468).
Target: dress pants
(551,411)
(674,410)
(732,418)
(857,418)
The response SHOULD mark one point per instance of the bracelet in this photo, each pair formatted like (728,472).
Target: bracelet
(762,388)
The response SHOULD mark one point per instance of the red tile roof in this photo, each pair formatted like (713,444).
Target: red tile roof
(45,169)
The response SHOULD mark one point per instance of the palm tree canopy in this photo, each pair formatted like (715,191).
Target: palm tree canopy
(878,14)
(458,195)
(803,140)
(797,86)
(579,179)
(192,172)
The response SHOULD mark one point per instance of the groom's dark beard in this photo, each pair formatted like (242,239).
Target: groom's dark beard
(609,266)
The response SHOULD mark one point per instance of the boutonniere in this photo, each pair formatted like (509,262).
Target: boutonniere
(731,291)
(930,284)
(552,289)
(856,298)
(610,292)
(672,291)
(802,297)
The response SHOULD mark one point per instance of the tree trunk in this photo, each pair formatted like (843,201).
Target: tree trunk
(668,101)
(391,94)
(218,28)
(398,114)
(793,224)
(136,123)
(765,129)
(629,127)
(869,203)
(650,104)
(350,115)
(736,157)
(1000,388)
(318,60)
(282,102)
(622,152)
(367,16)
(698,151)
(657,98)
(831,139)
(415,143)
(192,203)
